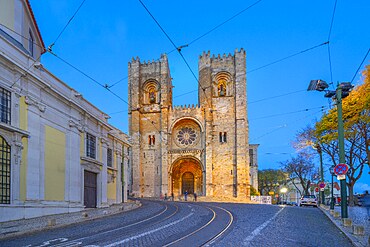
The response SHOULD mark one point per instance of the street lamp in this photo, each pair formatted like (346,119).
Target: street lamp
(332,188)
(341,92)
(283,191)
(319,150)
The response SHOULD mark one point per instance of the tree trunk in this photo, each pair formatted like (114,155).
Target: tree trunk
(351,201)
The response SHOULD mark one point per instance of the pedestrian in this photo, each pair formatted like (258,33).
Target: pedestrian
(186,195)
(366,203)
(165,197)
(172,196)
(195,196)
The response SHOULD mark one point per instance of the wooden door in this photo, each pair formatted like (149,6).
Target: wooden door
(188,182)
(90,189)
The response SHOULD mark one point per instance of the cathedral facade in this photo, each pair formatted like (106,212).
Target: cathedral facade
(200,149)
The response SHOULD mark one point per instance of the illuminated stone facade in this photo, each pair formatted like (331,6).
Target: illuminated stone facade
(202,148)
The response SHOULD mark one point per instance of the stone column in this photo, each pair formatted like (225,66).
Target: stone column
(104,172)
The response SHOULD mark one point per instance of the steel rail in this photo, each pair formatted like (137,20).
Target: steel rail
(123,227)
(211,240)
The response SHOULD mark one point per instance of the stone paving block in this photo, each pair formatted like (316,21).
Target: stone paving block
(347,222)
(52,222)
(358,230)
(336,214)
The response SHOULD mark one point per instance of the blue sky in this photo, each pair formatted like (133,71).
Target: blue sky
(102,39)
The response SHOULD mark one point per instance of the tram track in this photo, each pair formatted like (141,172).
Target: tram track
(194,238)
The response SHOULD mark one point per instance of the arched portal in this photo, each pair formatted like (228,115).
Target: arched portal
(186,175)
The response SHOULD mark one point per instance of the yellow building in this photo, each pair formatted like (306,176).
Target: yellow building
(58,152)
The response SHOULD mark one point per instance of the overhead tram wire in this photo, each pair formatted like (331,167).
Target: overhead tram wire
(277,96)
(329,36)
(286,125)
(219,25)
(359,67)
(201,36)
(66,25)
(287,57)
(178,49)
(288,113)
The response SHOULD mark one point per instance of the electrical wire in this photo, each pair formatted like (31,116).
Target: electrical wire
(66,25)
(290,56)
(176,47)
(277,96)
(25,73)
(20,35)
(359,67)
(200,37)
(219,25)
(329,36)
(288,113)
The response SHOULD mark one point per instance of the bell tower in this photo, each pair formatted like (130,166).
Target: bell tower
(150,98)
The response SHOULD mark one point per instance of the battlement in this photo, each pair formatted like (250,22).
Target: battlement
(149,67)
(205,59)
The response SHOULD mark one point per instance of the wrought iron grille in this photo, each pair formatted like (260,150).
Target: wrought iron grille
(5,100)
(90,146)
(4,171)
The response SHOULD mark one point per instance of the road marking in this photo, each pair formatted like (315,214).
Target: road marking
(149,232)
(260,228)
(224,230)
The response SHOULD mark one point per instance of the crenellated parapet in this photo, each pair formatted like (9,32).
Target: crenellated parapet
(186,110)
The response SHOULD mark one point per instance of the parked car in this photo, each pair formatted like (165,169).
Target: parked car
(308,200)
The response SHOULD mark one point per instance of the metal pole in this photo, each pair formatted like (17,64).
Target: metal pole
(343,185)
(332,192)
(322,194)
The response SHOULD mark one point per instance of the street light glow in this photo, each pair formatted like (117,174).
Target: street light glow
(283,190)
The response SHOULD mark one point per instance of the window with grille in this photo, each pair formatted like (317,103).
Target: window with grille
(5,100)
(4,171)
(109,157)
(90,146)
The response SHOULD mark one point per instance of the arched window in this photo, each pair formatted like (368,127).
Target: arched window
(4,171)
(150,92)
(222,84)
(221,88)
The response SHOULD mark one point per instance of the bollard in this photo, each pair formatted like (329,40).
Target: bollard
(347,222)
(358,230)
(85,215)
(105,212)
(336,214)
(52,222)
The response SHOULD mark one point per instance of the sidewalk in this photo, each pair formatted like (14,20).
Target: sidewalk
(19,227)
(358,216)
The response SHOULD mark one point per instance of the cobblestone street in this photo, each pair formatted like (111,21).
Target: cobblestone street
(158,223)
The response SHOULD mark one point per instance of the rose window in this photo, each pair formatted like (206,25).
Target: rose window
(186,136)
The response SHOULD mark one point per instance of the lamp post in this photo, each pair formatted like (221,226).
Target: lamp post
(342,91)
(332,188)
(283,191)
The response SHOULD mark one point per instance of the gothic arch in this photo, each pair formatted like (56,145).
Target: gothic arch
(151,92)
(186,118)
(222,84)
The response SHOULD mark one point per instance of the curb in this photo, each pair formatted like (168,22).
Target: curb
(105,213)
(356,242)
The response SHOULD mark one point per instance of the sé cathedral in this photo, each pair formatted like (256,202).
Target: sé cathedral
(202,148)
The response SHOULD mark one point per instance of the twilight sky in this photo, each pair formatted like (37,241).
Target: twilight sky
(105,35)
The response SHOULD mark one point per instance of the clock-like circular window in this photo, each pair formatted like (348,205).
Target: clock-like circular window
(186,136)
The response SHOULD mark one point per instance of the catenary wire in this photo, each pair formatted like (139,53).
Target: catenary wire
(288,113)
(20,35)
(359,67)
(201,36)
(219,25)
(66,25)
(287,57)
(329,36)
(176,47)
